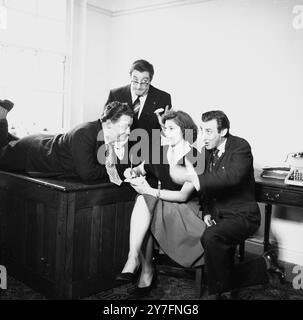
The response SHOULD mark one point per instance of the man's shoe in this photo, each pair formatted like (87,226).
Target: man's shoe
(6,104)
(274,266)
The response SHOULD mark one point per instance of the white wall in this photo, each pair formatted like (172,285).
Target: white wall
(243,57)
(97,63)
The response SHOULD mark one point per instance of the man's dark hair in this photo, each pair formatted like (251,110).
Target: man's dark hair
(114,110)
(141,66)
(185,122)
(220,116)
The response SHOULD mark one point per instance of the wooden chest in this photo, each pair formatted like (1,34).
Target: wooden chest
(65,239)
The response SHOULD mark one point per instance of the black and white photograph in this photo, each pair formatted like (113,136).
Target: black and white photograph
(151,153)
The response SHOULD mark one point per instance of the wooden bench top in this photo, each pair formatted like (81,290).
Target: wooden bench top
(65,185)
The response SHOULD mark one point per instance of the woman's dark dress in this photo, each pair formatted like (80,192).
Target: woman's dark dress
(177,226)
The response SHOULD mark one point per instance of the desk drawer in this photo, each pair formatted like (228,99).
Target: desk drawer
(279,196)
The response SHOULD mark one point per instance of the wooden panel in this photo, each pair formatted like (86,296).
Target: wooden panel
(104,196)
(48,257)
(40,238)
(108,248)
(62,287)
(94,241)
(16,229)
(69,245)
(123,213)
(101,240)
(82,241)
(29,190)
(3,221)
(29,240)
(107,240)
(31,234)
(64,244)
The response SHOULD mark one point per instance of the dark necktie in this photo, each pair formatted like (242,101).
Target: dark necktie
(110,166)
(136,106)
(213,159)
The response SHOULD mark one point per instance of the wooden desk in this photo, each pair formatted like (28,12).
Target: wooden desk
(66,239)
(275,192)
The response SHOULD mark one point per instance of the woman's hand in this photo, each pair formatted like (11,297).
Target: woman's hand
(180,174)
(141,185)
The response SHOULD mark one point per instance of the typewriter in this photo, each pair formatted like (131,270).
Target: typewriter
(295,176)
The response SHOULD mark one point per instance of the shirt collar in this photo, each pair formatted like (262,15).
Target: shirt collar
(174,154)
(221,148)
(119,151)
(134,96)
(119,147)
(105,136)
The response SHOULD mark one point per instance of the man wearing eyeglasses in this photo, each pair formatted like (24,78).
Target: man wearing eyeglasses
(142,96)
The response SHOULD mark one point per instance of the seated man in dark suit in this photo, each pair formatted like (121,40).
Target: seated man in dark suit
(73,154)
(145,100)
(230,210)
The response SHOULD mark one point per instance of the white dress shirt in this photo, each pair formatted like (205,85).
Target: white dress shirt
(221,148)
(118,146)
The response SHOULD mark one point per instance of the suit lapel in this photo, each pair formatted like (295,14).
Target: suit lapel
(227,146)
(150,102)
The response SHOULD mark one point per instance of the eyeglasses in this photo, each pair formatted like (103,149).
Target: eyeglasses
(143,83)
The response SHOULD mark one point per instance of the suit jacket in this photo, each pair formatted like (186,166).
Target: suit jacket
(229,189)
(155,99)
(73,154)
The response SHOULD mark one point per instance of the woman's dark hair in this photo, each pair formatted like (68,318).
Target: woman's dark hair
(114,110)
(220,116)
(141,66)
(185,122)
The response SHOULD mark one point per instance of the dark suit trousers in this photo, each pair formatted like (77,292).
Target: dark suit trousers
(3,132)
(220,242)
(12,152)
(5,136)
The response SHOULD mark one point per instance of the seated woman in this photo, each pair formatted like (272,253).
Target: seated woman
(170,215)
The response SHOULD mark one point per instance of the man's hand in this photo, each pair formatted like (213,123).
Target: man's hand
(158,111)
(207,220)
(180,174)
(129,173)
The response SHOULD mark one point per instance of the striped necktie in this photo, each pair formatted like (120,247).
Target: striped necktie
(110,166)
(136,106)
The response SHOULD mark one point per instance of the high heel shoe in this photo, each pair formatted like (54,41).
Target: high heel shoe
(274,266)
(127,277)
(141,292)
